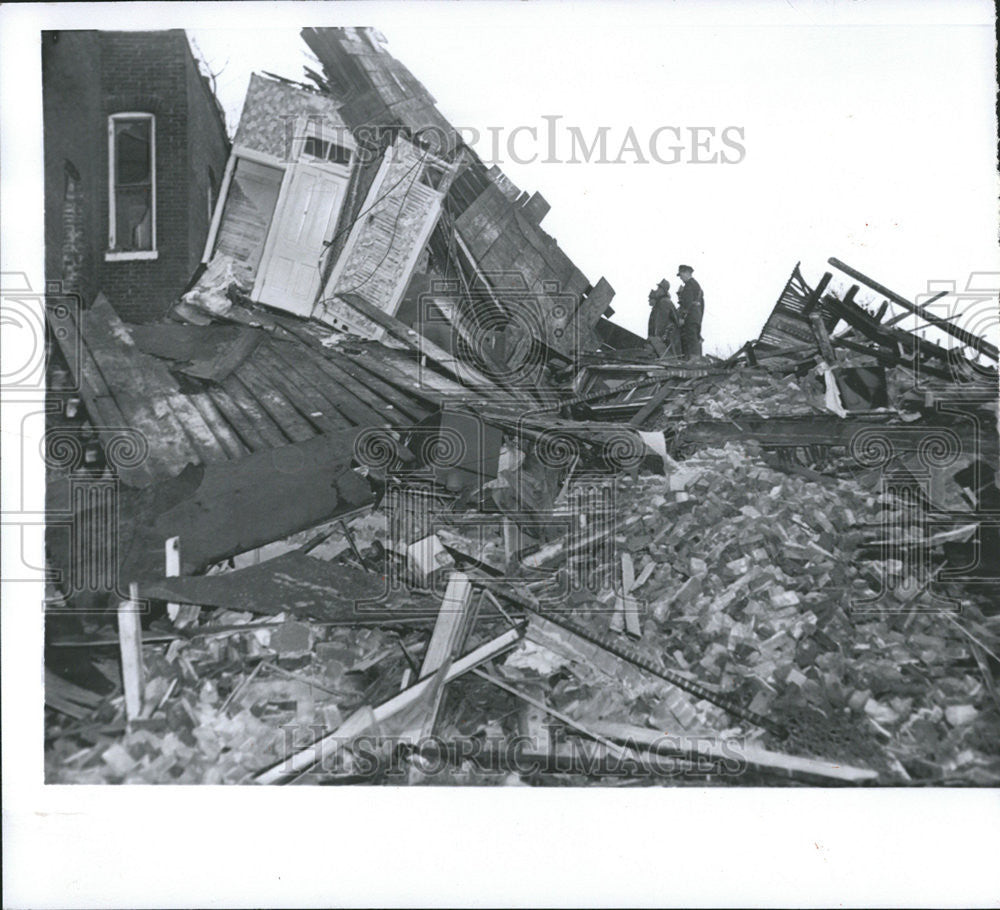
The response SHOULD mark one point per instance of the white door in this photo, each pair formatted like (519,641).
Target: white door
(289,273)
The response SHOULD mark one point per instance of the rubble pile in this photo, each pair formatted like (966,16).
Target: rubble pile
(388,498)
(755,582)
(745,391)
(226,705)
(762,587)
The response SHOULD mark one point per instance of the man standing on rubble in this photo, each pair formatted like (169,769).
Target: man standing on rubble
(691,301)
(664,323)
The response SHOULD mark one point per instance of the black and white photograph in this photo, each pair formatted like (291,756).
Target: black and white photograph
(528,398)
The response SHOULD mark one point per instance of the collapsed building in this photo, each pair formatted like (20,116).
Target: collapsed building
(388,497)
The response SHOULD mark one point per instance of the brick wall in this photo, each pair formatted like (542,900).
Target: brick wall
(71,105)
(87,76)
(144,72)
(208,150)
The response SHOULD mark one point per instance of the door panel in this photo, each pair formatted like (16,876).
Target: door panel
(289,273)
(383,247)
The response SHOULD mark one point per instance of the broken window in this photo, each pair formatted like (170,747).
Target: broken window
(132,210)
(314,147)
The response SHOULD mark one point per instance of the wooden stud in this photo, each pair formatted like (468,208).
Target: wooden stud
(130,644)
(171,569)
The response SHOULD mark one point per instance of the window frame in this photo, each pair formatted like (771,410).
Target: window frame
(310,128)
(112,254)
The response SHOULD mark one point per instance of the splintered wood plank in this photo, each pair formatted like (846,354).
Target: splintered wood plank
(227,438)
(822,338)
(282,411)
(417,342)
(752,755)
(348,407)
(313,407)
(633,626)
(328,745)
(357,369)
(594,305)
(451,623)
(661,394)
(260,418)
(419,380)
(241,425)
(130,645)
(142,394)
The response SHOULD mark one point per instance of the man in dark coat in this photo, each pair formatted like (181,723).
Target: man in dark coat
(664,323)
(691,302)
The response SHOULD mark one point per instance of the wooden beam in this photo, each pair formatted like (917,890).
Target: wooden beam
(813,299)
(967,338)
(735,750)
(656,400)
(822,338)
(451,623)
(329,745)
(414,340)
(463,372)
(595,304)
(130,647)
(633,627)
(901,316)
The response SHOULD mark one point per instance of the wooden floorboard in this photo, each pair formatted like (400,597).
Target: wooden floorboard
(353,374)
(341,400)
(282,411)
(228,439)
(241,425)
(314,408)
(261,420)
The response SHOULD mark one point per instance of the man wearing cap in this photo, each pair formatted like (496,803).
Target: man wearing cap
(691,302)
(664,323)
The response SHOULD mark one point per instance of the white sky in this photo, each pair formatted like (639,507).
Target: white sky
(873,143)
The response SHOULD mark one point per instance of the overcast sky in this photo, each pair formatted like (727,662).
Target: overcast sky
(872,143)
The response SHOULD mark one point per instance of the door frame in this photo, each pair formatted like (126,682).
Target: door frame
(339,171)
(227,182)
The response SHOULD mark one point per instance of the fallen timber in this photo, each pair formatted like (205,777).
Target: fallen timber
(850,433)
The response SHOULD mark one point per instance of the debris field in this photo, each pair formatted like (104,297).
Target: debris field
(399,503)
